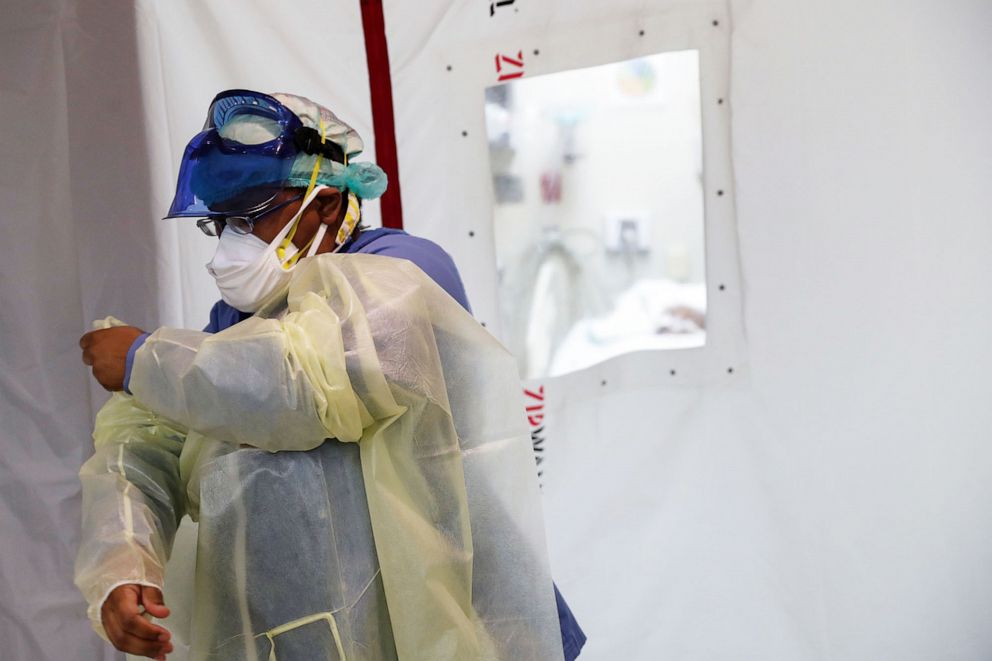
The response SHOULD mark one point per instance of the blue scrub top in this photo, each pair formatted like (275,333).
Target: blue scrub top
(436,263)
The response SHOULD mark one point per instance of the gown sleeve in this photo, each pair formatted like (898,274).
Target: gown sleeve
(275,384)
(133,500)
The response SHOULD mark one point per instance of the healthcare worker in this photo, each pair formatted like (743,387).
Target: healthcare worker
(349,439)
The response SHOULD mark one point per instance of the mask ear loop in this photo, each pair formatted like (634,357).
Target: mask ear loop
(347,227)
(280,239)
(315,241)
(281,249)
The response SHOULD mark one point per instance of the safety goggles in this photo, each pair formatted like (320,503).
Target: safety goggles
(213,226)
(226,178)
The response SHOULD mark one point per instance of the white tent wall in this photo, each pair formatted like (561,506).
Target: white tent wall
(74,178)
(826,500)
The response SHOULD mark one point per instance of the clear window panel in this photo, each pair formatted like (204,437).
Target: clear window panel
(597,179)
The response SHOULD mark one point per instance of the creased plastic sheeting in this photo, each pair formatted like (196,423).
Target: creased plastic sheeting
(443,451)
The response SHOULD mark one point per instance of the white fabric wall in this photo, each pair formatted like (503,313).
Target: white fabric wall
(74,183)
(830,502)
(826,500)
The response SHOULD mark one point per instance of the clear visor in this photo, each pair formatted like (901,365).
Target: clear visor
(240,160)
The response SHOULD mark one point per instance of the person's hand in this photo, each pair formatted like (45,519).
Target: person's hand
(128,629)
(105,351)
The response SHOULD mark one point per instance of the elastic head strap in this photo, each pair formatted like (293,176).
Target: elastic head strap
(350,220)
(281,250)
(280,240)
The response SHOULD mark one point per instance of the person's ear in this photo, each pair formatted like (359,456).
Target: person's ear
(328,204)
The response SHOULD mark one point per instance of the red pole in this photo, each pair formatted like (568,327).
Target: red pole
(383,121)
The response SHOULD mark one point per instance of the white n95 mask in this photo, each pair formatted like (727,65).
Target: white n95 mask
(249,272)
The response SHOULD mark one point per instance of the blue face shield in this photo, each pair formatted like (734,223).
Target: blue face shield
(221,177)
